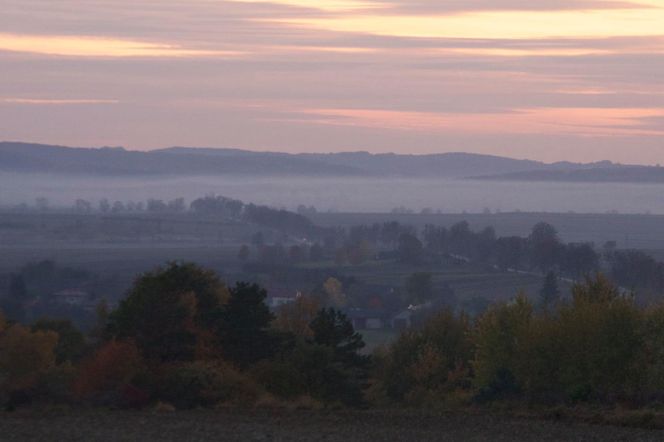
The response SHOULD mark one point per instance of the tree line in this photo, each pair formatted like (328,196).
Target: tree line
(182,337)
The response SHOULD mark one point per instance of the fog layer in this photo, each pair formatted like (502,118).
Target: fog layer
(346,194)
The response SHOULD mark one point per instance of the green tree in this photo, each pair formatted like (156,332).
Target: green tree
(171,312)
(603,342)
(497,335)
(245,332)
(345,371)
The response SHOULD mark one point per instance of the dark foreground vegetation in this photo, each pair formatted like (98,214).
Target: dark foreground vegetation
(292,425)
(182,339)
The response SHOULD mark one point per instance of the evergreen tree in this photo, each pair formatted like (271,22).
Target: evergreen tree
(549,294)
(344,370)
(245,332)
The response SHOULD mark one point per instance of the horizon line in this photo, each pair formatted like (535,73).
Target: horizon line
(268,151)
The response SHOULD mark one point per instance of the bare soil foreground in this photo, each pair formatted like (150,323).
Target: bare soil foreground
(301,426)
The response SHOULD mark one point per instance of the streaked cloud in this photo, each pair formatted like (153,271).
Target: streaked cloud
(597,23)
(544,79)
(56,101)
(86,46)
(569,121)
(323,5)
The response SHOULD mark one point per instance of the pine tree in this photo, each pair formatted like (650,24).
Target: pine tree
(549,294)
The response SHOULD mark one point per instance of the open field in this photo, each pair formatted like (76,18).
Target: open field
(466,280)
(302,426)
(117,259)
(63,228)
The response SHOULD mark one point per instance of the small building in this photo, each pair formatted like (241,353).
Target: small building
(403,320)
(364,319)
(277,297)
(75,297)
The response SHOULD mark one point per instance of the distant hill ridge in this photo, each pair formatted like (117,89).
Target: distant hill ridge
(186,161)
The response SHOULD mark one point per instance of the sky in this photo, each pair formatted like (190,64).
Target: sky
(578,80)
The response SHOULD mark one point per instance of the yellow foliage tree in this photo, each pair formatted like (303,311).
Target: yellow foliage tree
(334,291)
(498,333)
(24,355)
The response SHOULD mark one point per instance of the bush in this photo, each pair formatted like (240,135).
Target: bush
(104,377)
(281,377)
(653,359)
(55,385)
(71,342)
(590,349)
(25,355)
(426,364)
(205,384)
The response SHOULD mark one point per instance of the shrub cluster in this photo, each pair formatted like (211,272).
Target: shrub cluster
(599,347)
(182,337)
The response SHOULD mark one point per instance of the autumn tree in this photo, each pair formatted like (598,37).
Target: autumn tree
(296,316)
(113,366)
(426,363)
(334,291)
(71,342)
(25,355)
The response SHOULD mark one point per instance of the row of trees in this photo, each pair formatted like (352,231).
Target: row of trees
(151,205)
(600,347)
(542,251)
(183,337)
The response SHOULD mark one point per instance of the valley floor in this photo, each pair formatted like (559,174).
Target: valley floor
(301,426)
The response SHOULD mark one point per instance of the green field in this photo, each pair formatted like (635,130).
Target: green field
(467,281)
